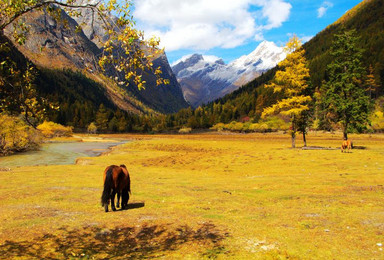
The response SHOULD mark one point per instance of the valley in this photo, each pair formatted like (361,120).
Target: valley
(225,196)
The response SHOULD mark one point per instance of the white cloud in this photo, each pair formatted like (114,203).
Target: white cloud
(206,24)
(324,8)
(305,39)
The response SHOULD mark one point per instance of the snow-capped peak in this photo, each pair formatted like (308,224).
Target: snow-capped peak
(216,78)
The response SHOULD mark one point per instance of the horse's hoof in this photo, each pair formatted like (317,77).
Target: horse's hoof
(106,210)
(114,209)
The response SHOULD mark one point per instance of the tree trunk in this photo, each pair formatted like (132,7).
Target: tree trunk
(345,134)
(293,133)
(304,139)
(293,140)
(345,131)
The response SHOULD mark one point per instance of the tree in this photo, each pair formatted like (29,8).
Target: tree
(124,47)
(92,128)
(370,83)
(18,93)
(343,94)
(291,80)
(102,118)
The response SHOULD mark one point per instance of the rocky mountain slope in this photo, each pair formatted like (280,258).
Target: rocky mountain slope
(206,78)
(50,44)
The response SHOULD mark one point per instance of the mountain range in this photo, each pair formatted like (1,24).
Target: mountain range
(206,78)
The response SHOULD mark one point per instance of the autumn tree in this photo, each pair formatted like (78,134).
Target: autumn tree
(291,80)
(371,85)
(344,95)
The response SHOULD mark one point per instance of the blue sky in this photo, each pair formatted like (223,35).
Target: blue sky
(231,28)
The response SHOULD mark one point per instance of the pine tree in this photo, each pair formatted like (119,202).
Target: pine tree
(343,94)
(291,80)
(102,118)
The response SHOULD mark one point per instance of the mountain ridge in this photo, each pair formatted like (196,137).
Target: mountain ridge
(206,78)
(51,44)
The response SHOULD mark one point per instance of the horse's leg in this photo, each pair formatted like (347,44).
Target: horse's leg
(113,200)
(106,207)
(118,200)
(124,199)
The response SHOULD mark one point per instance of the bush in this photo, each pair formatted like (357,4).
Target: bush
(17,136)
(51,129)
(92,128)
(218,127)
(185,130)
(377,121)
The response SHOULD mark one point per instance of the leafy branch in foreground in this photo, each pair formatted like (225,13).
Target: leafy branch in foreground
(125,49)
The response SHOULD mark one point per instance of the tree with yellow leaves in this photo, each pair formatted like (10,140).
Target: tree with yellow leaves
(291,80)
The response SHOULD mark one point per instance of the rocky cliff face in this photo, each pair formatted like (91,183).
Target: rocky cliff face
(51,44)
(204,79)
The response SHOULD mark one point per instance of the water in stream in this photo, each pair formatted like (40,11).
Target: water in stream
(57,154)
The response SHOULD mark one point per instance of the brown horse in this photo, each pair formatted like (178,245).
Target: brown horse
(116,180)
(347,144)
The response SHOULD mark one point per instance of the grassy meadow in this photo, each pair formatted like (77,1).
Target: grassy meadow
(201,196)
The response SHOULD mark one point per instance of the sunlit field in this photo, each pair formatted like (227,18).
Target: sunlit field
(224,196)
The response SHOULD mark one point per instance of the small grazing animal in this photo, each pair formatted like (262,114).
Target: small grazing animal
(116,180)
(346,146)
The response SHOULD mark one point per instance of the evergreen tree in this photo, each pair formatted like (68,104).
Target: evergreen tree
(343,94)
(102,118)
(291,81)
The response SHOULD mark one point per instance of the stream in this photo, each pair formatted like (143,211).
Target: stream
(57,154)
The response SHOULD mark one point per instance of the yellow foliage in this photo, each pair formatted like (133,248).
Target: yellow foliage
(377,121)
(291,80)
(16,135)
(185,130)
(51,129)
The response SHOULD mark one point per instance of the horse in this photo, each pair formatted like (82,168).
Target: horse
(347,144)
(116,180)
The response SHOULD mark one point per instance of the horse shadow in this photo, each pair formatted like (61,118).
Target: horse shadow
(134,205)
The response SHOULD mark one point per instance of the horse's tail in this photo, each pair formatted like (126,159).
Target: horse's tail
(129,184)
(128,178)
(107,187)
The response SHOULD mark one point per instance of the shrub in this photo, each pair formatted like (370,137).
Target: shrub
(377,121)
(51,129)
(185,130)
(218,127)
(92,128)
(17,136)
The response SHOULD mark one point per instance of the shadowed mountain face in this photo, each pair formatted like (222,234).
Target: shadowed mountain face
(204,79)
(50,44)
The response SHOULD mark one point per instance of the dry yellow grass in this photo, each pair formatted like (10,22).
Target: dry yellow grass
(219,196)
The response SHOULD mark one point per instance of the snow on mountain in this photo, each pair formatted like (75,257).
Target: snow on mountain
(206,78)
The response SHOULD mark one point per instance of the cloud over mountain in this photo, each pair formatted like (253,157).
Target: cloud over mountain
(324,8)
(203,24)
